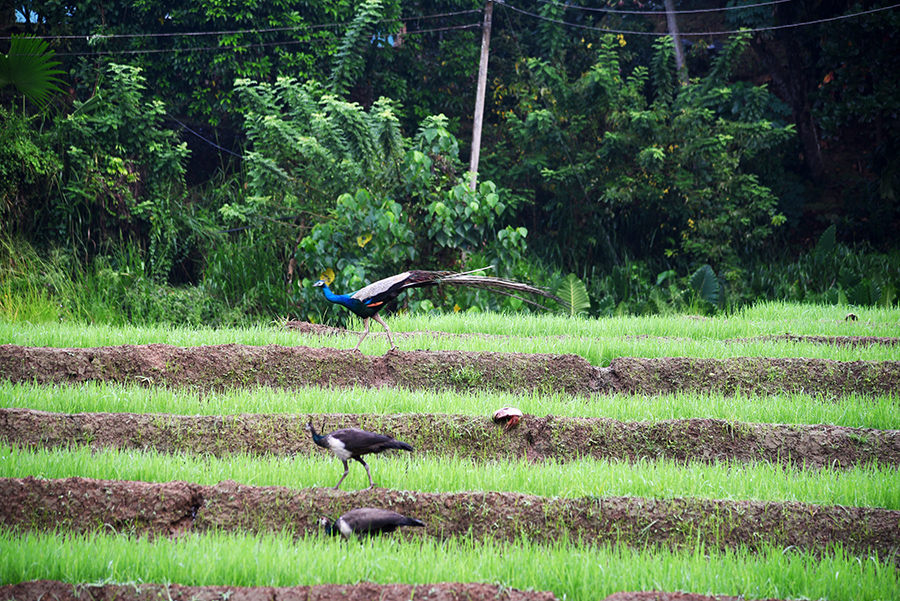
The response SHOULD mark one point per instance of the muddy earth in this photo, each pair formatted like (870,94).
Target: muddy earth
(173,508)
(57,591)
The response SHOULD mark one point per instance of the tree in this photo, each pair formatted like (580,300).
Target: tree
(670,172)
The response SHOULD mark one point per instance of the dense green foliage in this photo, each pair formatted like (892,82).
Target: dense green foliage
(601,156)
(651,195)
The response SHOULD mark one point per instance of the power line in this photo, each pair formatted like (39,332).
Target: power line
(249,46)
(704,33)
(662,12)
(241,31)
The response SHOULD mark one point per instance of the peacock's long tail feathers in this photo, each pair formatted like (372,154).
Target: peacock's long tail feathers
(500,286)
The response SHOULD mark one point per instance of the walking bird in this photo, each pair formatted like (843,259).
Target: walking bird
(353,443)
(368,301)
(367,521)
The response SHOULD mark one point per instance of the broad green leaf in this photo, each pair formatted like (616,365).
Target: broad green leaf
(706,285)
(825,245)
(574,293)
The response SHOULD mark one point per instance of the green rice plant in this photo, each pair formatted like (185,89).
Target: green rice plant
(856,411)
(861,486)
(571,570)
(598,341)
(765,319)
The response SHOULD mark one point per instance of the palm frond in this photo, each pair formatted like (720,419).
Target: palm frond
(30,67)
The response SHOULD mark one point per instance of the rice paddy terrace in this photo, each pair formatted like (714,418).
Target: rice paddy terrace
(79,423)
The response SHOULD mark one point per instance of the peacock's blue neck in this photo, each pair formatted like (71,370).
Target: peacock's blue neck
(341,299)
(347,300)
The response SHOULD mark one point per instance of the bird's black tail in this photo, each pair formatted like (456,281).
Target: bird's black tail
(396,444)
(412,522)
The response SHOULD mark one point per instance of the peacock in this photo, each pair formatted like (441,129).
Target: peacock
(353,443)
(367,302)
(367,521)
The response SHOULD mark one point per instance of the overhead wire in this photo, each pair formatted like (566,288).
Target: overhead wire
(704,33)
(241,31)
(248,46)
(663,12)
(314,27)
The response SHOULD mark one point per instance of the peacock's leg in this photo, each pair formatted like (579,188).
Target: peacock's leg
(365,333)
(384,325)
(346,471)
(366,465)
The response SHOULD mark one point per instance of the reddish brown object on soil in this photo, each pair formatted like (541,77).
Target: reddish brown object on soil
(510,416)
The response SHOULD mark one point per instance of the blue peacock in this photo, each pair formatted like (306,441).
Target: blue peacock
(367,302)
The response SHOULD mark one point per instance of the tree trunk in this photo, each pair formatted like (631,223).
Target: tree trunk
(676,42)
(792,82)
(790,63)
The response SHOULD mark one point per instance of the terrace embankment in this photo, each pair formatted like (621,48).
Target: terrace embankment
(173,508)
(224,366)
(533,439)
(42,590)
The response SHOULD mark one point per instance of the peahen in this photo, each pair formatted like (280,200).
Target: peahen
(368,301)
(367,521)
(353,443)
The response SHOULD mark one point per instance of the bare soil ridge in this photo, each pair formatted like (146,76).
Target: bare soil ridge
(232,365)
(172,508)
(534,439)
(851,341)
(42,590)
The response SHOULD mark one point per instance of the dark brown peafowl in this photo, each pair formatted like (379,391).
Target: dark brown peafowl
(368,301)
(353,443)
(367,521)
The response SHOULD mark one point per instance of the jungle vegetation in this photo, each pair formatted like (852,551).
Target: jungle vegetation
(204,164)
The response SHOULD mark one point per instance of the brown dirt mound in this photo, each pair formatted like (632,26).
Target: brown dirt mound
(534,439)
(171,508)
(42,590)
(231,365)
(851,341)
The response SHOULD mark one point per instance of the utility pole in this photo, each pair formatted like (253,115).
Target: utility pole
(479,93)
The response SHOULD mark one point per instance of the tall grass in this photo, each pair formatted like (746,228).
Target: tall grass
(858,411)
(572,571)
(863,486)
